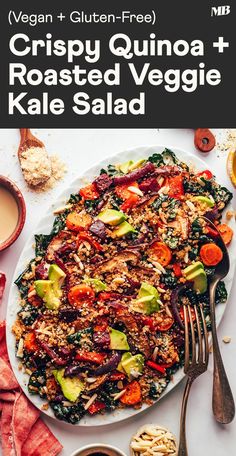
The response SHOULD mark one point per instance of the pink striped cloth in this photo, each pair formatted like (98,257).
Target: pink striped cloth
(22,431)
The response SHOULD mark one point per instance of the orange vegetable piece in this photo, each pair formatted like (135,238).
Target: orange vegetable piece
(226,233)
(89,192)
(160,252)
(76,221)
(129,203)
(123,192)
(132,394)
(30,343)
(81,294)
(211,254)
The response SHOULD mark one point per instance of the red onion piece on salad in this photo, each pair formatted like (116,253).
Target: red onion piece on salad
(98,229)
(174,301)
(41,271)
(109,366)
(135,175)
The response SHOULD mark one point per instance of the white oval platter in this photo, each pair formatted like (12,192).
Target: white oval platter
(44,227)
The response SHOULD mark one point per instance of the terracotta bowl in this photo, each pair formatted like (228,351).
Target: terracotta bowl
(16,193)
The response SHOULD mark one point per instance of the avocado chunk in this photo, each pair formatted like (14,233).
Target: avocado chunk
(193,267)
(199,279)
(125,357)
(57,276)
(118,340)
(148,300)
(44,289)
(205,199)
(124,167)
(133,365)
(111,217)
(196,273)
(97,284)
(123,229)
(71,387)
(147,305)
(137,164)
(146,290)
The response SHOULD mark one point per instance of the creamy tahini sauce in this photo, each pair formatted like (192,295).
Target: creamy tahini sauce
(9,214)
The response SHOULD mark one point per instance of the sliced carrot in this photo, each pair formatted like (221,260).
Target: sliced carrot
(81,294)
(76,221)
(123,192)
(132,394)
(226,233)
(30,343)
(161,253)
(211,254)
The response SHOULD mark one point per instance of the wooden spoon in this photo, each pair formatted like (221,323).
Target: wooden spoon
(36,171)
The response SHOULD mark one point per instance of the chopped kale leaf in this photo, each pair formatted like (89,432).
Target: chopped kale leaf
(169,279)
(20,282)
(157,159)
(221,293)
(36,382)
(221,194)
(91,205)
(193,253)
(74,198)
(28,314)
(116,202)
(70,414)
(196,226)
(41,243)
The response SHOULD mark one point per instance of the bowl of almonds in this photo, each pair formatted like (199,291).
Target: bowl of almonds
(152,440)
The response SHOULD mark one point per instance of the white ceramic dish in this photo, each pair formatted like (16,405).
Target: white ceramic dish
(45,226)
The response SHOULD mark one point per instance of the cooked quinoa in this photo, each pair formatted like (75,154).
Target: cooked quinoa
(96,329)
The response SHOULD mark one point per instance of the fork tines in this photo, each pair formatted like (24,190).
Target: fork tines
(196,343)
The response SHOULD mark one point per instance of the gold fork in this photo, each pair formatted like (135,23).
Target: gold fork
(196,362)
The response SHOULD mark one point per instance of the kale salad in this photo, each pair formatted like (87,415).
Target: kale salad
(101,323)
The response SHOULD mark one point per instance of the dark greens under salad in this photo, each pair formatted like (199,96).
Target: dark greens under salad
(101,319)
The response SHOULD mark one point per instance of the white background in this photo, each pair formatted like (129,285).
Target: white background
(80,149)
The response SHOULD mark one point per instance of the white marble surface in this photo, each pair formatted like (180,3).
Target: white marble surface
(80,149)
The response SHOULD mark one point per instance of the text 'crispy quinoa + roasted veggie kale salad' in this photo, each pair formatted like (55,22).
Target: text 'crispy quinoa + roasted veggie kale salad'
(101,323)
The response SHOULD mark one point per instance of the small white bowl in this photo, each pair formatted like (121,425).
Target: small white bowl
(109,450)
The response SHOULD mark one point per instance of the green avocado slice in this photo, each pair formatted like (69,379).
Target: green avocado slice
(97,284)
(71,387)
(111,217)
(124,167)
(133,365)
(123,229)
(204,199)
(193,267)
(118,340)
(45,290)
(199,279)
(57,276)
